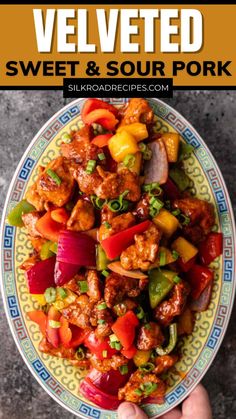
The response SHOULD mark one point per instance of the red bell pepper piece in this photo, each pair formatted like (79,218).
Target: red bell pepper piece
(49,228)
(211,248)
(60,215)
(185,266)
(92,104)
(115,244)
(98,346)
(39,317)
(101,140)
(199,278)
(102,117)
(124,329)
(111,381)
(129,353)
(170,189)
(71,336)
(52,332)
(41,276)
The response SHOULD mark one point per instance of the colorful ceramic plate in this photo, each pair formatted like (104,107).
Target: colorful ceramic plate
(198,350)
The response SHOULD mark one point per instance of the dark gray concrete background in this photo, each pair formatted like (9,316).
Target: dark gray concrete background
(22,114)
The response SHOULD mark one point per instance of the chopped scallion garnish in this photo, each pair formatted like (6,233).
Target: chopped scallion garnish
(80,354)
(184,219)
(97,202)
(105,273)
(102,306)
(50,295)
(129,161)
(106,224)
(90,166)
(124,369)
(138,391)
(139,312)
(53,175)
(101,156)
(113,338)
(148,367)
(176,212)
(83,286)
(118,346)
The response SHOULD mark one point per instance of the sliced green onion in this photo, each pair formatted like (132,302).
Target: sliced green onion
(62,292)
(114,205)
(83,286)
(119,204)
(120,309)
(148,388)
(155,206)
(97,202)
(124,369)
(102,306)
(54,176)
(176,212)
(106,224)
(153,188)
(104,354)
(162,257)
(113,338)
(147,155)
(138,392)
(139,312)
(118,346)
(101,156)
(80,354)
(50,295)
(105,273)
(177,279)
(184,219)
(175,254)
(148,367)
(101,321)
(129,161)
(90,166)
(54,324)
(142,147)
(112,345)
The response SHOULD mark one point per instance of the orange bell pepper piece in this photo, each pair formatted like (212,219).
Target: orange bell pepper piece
(39,317)
(49,228)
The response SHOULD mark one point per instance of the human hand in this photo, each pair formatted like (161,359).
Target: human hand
(196,406)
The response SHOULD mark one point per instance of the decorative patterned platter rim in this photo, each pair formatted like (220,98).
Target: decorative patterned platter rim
(219,314)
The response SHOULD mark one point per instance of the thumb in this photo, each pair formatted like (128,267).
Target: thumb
(129,410)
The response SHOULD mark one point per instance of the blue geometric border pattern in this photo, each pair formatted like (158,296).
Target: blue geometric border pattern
(216,184)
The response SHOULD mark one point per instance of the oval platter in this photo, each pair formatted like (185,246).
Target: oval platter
(57,376)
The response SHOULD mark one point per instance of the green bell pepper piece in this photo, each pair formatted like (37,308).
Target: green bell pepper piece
(15,215)
(180,178)
(46,252)
(185,151)
(172,341)
(101,258)
(159,286)
(53,247)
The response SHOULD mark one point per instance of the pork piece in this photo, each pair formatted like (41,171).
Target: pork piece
(143,253)
(201,214)
(139,381)
(136,110)
(83,364)
(47,187)
(102,319)
(164,363)
(80,148)
(82,217)
(142,208)
(61,352)
(150,336)
(165,312)
(33,197)
(87,182)
(79,312)
(117,224)
(30,219)
(94,287)
(114,184)
(105,365)
(118,287)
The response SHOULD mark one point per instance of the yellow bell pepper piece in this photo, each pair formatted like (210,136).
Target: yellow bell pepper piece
(137,129)
(141,357)
(169,274)
(166,222)
(39,298)
(121,144)
(185,249)
(171,141)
